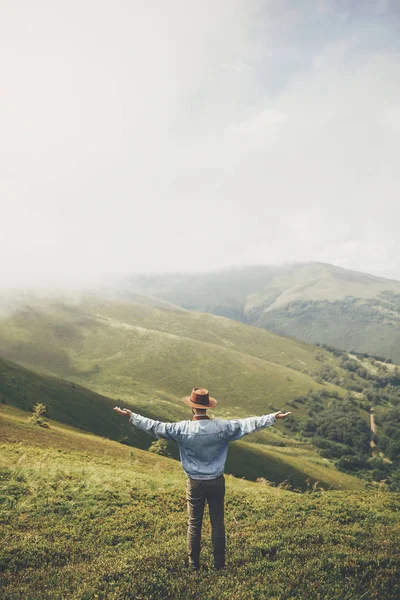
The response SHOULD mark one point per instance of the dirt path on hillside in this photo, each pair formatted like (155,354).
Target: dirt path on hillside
(372,425)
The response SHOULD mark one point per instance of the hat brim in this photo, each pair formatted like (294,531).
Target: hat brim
(212,403)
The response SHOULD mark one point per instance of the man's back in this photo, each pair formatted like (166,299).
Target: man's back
(203,444)
(203,447)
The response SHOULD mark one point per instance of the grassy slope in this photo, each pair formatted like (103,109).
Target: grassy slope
(299,467)
(80,407)
(309,301)
(136,352)
(66,401)
(84,517)
(148,358)
(349,324)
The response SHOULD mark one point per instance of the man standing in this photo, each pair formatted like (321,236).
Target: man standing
(203,447)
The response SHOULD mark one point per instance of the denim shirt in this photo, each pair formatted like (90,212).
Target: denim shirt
(203,444)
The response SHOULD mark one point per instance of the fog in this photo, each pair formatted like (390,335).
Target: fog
(184,135)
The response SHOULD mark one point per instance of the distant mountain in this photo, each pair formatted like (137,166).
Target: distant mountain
(314,302)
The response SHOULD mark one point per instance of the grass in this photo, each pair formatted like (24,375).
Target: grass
(298,467)
(67,402)
(350,324)
(136,352)
(258,455)
(84,517)
(146,358)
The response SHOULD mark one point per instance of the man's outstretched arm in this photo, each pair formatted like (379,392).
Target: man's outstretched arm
(239,427)
(157,429)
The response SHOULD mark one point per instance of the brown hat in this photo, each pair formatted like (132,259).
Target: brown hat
(199,398)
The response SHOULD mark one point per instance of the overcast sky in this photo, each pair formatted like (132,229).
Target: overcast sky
(164,135)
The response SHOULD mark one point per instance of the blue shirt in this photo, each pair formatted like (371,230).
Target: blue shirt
(203,444)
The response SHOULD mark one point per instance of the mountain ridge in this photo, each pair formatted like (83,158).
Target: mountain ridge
(313,302)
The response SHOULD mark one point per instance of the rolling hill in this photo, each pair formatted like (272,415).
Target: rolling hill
(314,302)
(66,402)
(81,408)
(85,517)
(128,350)
(148,357)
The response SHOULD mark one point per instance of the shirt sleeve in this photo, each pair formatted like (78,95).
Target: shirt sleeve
(239,427)
(158,429)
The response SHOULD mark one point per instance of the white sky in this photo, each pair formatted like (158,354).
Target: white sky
(164,135)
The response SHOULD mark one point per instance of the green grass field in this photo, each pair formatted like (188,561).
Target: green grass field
(137,352)
(258,455)
(84,517)
(146,358)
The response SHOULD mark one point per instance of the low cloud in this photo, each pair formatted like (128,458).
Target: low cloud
(196,135)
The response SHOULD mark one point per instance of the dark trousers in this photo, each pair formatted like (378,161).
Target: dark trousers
(197,492)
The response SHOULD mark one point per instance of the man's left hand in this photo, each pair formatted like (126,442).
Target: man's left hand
(281,415)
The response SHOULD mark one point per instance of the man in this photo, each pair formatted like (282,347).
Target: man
(203,447)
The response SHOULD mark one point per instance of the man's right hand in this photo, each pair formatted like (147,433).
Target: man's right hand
(281,415)
(125,411)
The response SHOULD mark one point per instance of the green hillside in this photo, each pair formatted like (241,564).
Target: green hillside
(295,463)
(314,302)
(66,402)
(147,358)
(84,517)
(138,353)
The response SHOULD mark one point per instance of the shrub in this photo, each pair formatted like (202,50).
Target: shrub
(160,447)
(39,412)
